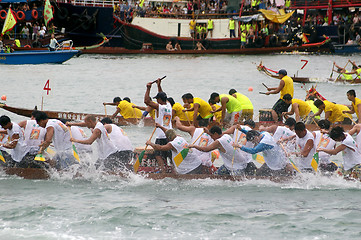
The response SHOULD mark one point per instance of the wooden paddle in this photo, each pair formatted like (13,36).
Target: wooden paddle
(333,67)
(265,85)
(341,70)
(262,93)
(159,79)
(234,149)
(75,152)
(293,164)
(141,155)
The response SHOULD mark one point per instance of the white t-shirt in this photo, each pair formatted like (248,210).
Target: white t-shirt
(305,162)
(105,145)
(61,137)
(239,161)
(79,134)
(21,149)
(34,136)
(351,156)
(203,141)
(53,43)
(275,157)
(242,141)
(282,132)
(327,143)
(164,118)
(190,162)
(3,139)
(358,141)
(120,139)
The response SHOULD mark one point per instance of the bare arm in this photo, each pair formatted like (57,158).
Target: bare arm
(195,107)
(333,151)
(308,146)
(211,147)
(147,99)
(277,90)
(224,107)
(327,115)
(230,130)
(354,129)
(113,104)
(96,134)
(116,113)
(79,124)
(48,137)
(159,84)
(22,124)
(158,147)
(271,129)
(13,142)
(139,107)
(180,126)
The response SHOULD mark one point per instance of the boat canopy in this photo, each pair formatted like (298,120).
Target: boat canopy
(280,17)
(256,17)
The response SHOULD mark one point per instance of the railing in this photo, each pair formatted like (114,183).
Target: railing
(90,3)
(324,3)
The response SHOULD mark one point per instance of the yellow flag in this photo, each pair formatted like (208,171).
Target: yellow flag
(48,12)
(9,23)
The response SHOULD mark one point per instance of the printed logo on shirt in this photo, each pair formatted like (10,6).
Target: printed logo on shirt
(2,136)
(65,129)
(203,142)
(35,133)
(123,132)
(242,139)
(324,142)
(166,120)
(82,133)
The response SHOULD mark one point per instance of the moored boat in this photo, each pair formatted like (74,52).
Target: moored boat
(37,57)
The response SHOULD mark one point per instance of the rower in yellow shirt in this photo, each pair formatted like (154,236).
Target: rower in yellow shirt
(300,108)
(356,103)
(125,108)
(229,103)
(333,112)
(247,106)
(177,111)
(200,107)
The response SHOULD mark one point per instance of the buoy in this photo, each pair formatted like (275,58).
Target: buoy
(3,97)
(250,89)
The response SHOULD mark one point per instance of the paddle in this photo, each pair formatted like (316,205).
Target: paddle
(189,122)
(141,155)
(333,68)
(105,110)
(265,85)
(341,70)
(2,157)
(258,158)
(316,158)
(159,79)
(234,149)
(293,164)
(39,157)
(178,159)
(75,152)
(262,93)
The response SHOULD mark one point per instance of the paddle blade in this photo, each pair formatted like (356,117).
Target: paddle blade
(39,157)
(258,158)
(50,151)
(178,159)
(294,166)
(2,157)
(75,153)
(139,161)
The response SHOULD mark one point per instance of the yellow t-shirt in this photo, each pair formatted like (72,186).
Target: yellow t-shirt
(127,111)
(192,25)
(245,102)
(178,108)
(313,108)
(288,88)
(354,105)
(204,108)
(336,111)
(303,108)
(233,105)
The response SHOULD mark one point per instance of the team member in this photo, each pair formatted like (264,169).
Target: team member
(163,118)
(16,144)
(281,133)
(3,140)
(120,139)
(356,103)
(234,163)
(191,164)
(177,111)
(109,157)
(58,134)
(229,103)
(125,109)
(333,112)
(356,129)
(275,159)
(346,75)
(203,139)
(300,108)
(305,141)
(285,87)
(199,106)
(351,166)
(247,106)
(323,140)
(210,27)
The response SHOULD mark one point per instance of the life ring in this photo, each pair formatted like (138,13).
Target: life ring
(27,46)
(20,15)
(35,14)
(3,14)
(52,8)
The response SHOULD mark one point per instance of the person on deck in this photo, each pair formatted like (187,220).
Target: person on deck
(310,100)
(210,27)
(234,163)
(192,27)
(285,87)
(163,118)
(191,163)
(199,106)
(323,140)
(125,109)
(351,167)
(229,103)
(199,46)
(200,137)
(169,46)
(300,108)
(333,112)
(276,163)
(231,27)
(58,134)
(356,103)
(355,70)
(108,155)
(247,106)
(53,43)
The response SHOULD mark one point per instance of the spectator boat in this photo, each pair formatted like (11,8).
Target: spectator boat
(37,57)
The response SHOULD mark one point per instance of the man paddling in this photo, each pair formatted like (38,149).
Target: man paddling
(108,155)
(58,134)
(305,143)
(333,112)
(163,118)
(247,106)
(346,75)
(199,106)
(125,109)
(234,163)
(285,87)
(356,103)
(229,103)
(300,108)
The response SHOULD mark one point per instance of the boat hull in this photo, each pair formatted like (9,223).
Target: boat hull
(37,57)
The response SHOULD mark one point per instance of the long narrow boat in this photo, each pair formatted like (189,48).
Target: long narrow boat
(267,71)
(147,122)
(355,81)
(37,57)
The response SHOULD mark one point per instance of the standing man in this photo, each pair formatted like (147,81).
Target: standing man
(192,27)
(247,106)
(231,27)
(53,43)
(233,106)
(285,87)
(199,106)
(356,103)
(210,26)
(163,118)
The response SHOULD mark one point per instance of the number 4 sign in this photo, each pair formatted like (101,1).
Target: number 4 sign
(47,87)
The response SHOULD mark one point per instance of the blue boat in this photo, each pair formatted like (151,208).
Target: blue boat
(346,48)
(37,57)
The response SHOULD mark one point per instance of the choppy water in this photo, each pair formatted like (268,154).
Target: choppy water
(98,207)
